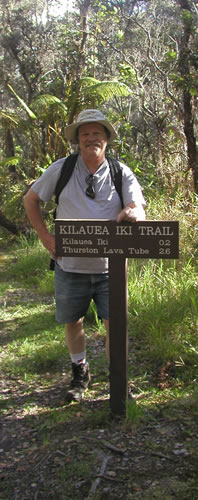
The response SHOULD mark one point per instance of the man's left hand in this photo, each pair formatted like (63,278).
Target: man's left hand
(131,213)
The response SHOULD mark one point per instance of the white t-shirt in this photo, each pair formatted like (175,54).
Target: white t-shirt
(75,204)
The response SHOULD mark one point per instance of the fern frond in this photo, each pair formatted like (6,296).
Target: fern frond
(9,162)
(108,89)
(88,80)
(23,103)
(47,105)
(45,100)
(9,118)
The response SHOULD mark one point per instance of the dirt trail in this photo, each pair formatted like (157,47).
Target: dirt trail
(75,456)
(51,450)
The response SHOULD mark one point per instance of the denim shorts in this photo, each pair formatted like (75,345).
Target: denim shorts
(74,292)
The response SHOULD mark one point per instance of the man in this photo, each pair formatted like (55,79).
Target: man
(89,194)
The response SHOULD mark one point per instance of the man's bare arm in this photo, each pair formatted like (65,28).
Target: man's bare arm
(32,208)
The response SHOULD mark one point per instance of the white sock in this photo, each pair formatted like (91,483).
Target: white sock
(78,358)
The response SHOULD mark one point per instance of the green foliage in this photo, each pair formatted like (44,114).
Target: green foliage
(127,61)
(77,439)
(163,300)
(163,295)
(187,16)
(11,198)
(193,91)
(171,55)
(9,162)
(105,89)
(31,264)
(128,74)
(134,414)
(31,115)
(49,107)
(9,118)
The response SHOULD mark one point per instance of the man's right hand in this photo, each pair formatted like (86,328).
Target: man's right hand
(32,207)
(48,241)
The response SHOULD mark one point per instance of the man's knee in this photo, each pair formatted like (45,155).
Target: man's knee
(74,326)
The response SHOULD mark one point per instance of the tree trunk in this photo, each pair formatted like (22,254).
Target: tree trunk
(12,227)
(190,139)
(187,98)
(84,8)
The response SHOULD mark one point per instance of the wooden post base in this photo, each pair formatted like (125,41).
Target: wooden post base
(118,306)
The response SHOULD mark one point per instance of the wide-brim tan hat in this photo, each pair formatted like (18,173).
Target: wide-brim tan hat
(88,116)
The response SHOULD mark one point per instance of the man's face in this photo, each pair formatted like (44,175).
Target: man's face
(92,141)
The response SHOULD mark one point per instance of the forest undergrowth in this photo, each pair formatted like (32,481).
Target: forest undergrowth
(54,450)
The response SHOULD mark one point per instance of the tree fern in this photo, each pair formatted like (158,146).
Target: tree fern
(48,106)
(104,89)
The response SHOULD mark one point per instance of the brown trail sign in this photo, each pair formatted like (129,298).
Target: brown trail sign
(106,238)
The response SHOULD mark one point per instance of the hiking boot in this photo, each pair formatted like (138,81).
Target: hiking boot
(79,383)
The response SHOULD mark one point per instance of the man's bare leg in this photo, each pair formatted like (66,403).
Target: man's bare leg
(75,339)
(75,336)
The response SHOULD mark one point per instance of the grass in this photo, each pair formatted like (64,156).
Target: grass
(29,266)
(165,307)
(163,294)
(68,441)
(162,311)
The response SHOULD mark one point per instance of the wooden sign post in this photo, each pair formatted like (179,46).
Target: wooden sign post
(118,242)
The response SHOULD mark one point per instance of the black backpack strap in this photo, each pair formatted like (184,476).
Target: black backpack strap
(68,167)
(66,172)
(116,175)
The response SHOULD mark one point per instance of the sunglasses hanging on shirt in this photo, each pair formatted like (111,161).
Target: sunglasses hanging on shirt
(90,191)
